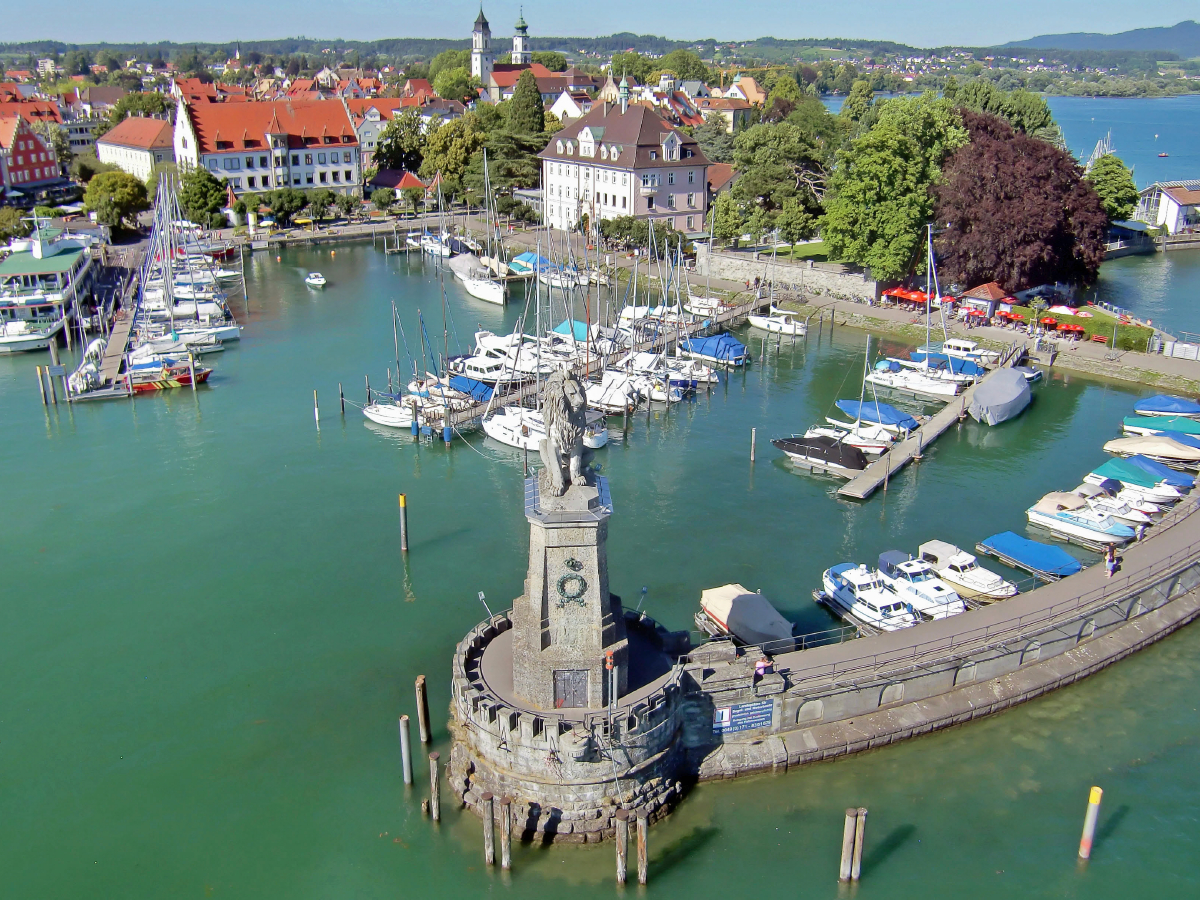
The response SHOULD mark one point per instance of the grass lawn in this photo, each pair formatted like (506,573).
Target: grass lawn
(814,251)
(1129,337)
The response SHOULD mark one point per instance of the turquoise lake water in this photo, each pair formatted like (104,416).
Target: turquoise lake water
(210,631)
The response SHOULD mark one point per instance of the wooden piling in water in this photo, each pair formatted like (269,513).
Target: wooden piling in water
(643,861)
(622,824)
(422,710)
(405,751)
(192,375)
(505,833)
(1089,823)
(848,844)
(753,438)
(316,410)
(404,522)
(860,827)
(489,828)
(367,380)
(41,386)
(341,398)
(435,788)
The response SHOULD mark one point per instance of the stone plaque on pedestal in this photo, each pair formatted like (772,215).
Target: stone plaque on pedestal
(566,625)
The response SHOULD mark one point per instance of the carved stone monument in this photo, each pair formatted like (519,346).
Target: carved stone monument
(569,643)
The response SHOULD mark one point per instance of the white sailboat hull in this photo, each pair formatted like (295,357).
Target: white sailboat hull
(486,290)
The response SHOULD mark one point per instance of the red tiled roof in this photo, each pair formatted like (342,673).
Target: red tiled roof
(141,133)
(33,110)
(507,75)
(989,291)
(638,131)
(385,106)
(307,123)
(719,176)
(1183,196)
(9,123)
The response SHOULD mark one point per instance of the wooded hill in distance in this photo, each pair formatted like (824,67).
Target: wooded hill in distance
(1182,39)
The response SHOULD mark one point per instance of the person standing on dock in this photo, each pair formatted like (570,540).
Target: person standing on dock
(1110,561)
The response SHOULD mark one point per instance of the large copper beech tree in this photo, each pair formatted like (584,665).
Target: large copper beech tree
(1016,210)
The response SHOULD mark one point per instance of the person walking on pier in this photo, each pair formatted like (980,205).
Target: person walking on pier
(1110,561)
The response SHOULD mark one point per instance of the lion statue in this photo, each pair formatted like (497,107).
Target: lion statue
(564,409)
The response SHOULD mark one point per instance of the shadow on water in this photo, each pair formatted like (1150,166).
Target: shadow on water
(679,851)
(1111,824)
(896,839)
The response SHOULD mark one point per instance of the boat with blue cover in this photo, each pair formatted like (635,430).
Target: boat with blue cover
(1043,560)
(1157,470)
(1176,425)
(891,418)
(951,364)
(1167,405)
(1137,480)
(720,349)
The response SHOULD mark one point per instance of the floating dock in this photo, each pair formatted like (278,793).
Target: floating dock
(902,453)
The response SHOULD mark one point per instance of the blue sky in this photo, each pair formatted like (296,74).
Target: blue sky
(916,22)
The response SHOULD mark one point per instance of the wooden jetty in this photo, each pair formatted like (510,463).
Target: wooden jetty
(903,452)
(114,350)
(671,334)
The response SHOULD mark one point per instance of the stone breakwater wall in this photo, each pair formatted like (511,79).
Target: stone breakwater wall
(871,692)
(804,277)
(566,776)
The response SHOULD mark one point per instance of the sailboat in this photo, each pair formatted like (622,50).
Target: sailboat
(480,283)
(870,436)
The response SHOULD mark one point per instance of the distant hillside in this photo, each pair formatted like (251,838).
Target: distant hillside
(1183,39)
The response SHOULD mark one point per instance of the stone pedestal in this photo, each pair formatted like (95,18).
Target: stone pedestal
(566,625)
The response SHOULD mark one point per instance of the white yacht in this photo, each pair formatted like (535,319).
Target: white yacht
(485,289)
(915,581)
(961,570)
(890,375)
(20,335)
(525,429)
(859,594)
(869,438)
(1106,504)
(778,321)
(963,349)
(1069,515)
(387,411)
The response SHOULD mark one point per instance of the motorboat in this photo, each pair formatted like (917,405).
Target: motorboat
(1136,481)
(1003,396)
(1167,405)
(824,453)
(1102,501)
(731,611)
(615,394)
(1030,374)
(1170,475)
(1169,425)
(780,322)
(435,246)
(860,595)
(915,581)
(962,571)
(1114,490)
(872,439)
(657,389)
(682,373)
(1047,562)
(22,335)
(389,410)
(525,429)
(1160,447)
(655,315)
(315,279)
(963,349)
(159,375)
(1070,516)
(704,307)
(889,375)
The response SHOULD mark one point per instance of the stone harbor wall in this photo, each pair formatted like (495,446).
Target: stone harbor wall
(804,277)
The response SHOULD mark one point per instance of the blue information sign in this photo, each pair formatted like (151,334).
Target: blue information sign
(742,716)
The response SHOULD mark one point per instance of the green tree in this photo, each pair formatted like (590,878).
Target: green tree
(796,221)
(55,137)
(383,198)
(346,204)
(878,203)
(858,102)
(167,170)
(401,144)
(449,149)
(12,223)
(285,203)
(1114,183)
(552,124)
(202,196)
(116,198)
(455,84)
(414,197)
(714,138)
(85,166)
(684,64)
(635,65)
(527,114)
(727,224)
(319,201)
(551,59)
(777,163)
(449,59)
(512,163)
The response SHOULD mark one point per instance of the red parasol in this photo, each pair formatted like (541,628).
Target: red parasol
(977,312)
(1049,321)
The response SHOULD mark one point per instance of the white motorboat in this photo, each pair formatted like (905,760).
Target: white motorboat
(1114,491)
(315,279)
(656,389)
(705,307)
(868,438)
(1153,491)
(779,321)
(1070,516)
(220,330)
(963,349)
(823,454)
(915,581)
(21,335)
(960,569)
(859,594)
(435,246)
(525,429)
